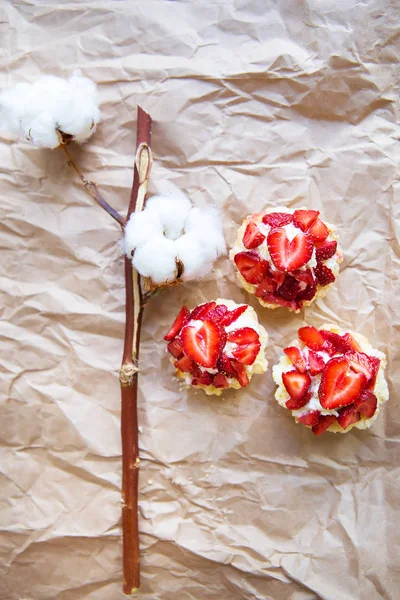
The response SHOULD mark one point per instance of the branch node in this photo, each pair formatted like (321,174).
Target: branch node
(127,373)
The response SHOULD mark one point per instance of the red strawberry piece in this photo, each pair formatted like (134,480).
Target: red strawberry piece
(252,236)
(296,384)
(304,275)
(233,315)
(339,386)
(205,344)
(247,354)
(319,231)
(277,219)
(249,345)
(347,416)
(307,294)
(267,286)
(220,381)
(243,336)
(289,289)
(279,277)
(296,403)
(180,321)
(187,365)
(366,403)
(204,379)
(175,348)
(303,219)
(296,357)
(337,341)
(352,342)
(200,312)
(310,418)
(323,274)
(275,299)
(289,255)
(312,338)
(224,365)
(252,268)
(216,314)
(241,373)
(362,363)
(316,363)
(326,250)
(324,422)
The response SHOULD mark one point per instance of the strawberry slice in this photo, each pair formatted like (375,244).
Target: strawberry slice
(224,365)
(366,404)
(337,341)
(220,381)
(314,339)
(279,277)
(297,384)
(247,354)
(200,312)
(307,294)
(316,363)
(324,422)
(352,342)
(277,219)
(339,386)
(319,231)
(187,365)
(243,336)
(216,314)
(310,418)
(248,342)
(362,363)
(204,379)
(252,268)
(175,348)
(275,299)
(326,250)
(204,345)
(233,315)
(348,416)
(289,289)
(267,286)
(323,274)
(241,373)
(305,276)
(296,357)
(180,321)
(303,219)
(289,255)
(296,403)
(252,236)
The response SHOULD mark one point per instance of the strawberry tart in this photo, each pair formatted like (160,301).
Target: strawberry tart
(286,257)
(218,345)
(331,380)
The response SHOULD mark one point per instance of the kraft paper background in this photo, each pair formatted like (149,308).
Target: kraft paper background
(254,104)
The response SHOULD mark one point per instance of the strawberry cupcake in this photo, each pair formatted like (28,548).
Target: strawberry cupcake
(331,380)
(286,257)
(218,345)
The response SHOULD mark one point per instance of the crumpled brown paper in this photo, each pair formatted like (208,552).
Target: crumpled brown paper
(254,104)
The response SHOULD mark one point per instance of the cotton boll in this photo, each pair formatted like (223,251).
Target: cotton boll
(206,222)
(42,133)
(140,228)
(156,259)
(173,211)
(190,250)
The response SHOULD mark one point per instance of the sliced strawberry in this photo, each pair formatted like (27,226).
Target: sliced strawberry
(296,384)
(279,277)
(324,422)
(267,286)
(305,218)
(200,312)
(187,365)
(247,354)
(362,363)
(339,386)
(296,403)
(297,358)
(241,373)
(326,250)
(224,365)
(289,255)
(316,363)
(175,348)
(216,314)
(252,236)
(337,341)
(204,379)
(310,418)
(233,315)
(243,336)
(307,294)
(323,274)
(277,219)
(319,231)
(289,289)
(347,416)
(312,338)
(248,344)
(220,381)
(251,266)
(180,321)
(304,275)
(352,342)
(366,404)
(205,344)
(275,299)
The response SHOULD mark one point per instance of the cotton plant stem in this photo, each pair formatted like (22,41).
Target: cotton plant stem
(129,370)
(92,189)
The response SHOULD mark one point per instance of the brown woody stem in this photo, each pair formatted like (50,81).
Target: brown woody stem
(93,190)
(129,370)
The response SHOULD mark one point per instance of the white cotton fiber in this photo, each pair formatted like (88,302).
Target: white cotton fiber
(172,210)
(156,259)
(36,111)
(140,228)
(206,223)
(190,250)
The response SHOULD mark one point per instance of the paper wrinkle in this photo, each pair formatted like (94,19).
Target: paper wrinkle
(253,106)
